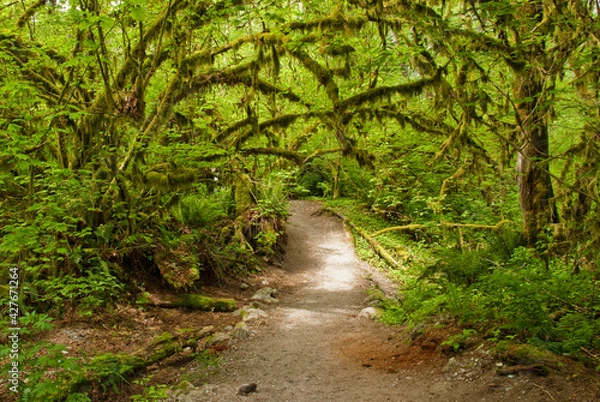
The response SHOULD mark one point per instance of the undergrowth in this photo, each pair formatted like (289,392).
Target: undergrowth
(489,285)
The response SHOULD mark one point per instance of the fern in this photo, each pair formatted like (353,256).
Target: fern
(197,211)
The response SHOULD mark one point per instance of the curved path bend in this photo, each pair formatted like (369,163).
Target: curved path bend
(312,347)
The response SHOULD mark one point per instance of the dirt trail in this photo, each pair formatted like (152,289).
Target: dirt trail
(313,347)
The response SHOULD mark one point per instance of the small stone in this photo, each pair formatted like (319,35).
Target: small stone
(247,389)
(252,314)
(370,312)
(244,286)
(259,305)
(374,303)
(240,331)
(266,295)
(450,366)
(218,338)
(184,388)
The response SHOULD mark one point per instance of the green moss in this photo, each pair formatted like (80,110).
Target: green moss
(162,347)
(164,338)
(526,354)
(199,302)
(143,299)
(110,370)
(186,331)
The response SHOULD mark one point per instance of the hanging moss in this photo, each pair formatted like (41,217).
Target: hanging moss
(244,193)
(29,11)
(335,21)
(323,75)
(221,135)
(290,155)
(276,62)
(383,92)
(279,123)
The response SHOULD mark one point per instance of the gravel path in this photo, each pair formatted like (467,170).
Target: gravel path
(313,347)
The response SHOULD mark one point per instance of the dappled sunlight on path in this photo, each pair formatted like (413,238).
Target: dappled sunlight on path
(313,347)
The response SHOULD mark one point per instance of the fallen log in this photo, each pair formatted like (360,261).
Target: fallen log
(378,248)
(451,225)
(109,370)
(190,301)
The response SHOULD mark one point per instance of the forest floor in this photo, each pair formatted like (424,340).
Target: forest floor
(313,346)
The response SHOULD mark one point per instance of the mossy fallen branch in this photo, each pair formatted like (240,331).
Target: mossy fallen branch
(378,248)
(384,254)
(191,301)
(110,370)
(451,225)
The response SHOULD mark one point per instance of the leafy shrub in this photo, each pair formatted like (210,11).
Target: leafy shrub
(265,222)
(45,368)
(273,194)
(197,210)
(459,341)
(151,393)
(95,289)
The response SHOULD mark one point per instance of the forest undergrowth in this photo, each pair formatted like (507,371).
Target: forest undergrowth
(152,146)
(487,284)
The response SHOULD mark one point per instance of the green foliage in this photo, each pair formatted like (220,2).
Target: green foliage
(459,341)
(208,358)
(34,323)
(491,285)
(46,370)
(128,143)
(315,179)
(512,298)
(110,370)
(273,196)
(198,210)
(88,293)
(265,221)
(267,241)
(152,393)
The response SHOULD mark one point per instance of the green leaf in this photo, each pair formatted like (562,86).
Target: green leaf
(137,13)
(106,22)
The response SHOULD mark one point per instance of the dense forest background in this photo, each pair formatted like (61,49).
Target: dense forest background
(161,140)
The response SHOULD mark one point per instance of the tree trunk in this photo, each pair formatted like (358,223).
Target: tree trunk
(535,185)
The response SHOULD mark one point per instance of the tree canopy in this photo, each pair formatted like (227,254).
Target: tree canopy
(142,138)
